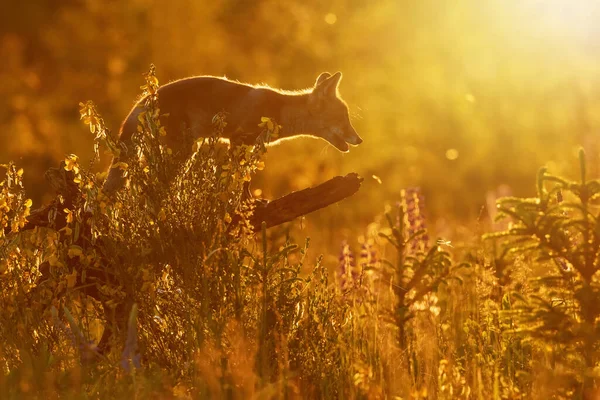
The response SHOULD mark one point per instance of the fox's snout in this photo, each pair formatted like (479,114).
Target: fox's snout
(340,138)
(350,135)
(353,139)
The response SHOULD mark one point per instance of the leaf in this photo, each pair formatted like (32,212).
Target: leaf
(69,216)
(71,279)
(121,165)
(75,251)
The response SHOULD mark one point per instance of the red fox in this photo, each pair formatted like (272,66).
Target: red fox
(190,104)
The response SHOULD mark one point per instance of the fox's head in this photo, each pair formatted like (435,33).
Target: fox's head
(329,113)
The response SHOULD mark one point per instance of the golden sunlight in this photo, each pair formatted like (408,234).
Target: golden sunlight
(354,199)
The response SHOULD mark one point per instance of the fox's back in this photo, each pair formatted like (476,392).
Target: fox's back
(188,105)
(207,92)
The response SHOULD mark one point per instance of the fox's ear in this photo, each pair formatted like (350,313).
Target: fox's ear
(322,77)
(328,86)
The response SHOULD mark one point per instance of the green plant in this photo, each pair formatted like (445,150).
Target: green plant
(415,276)
(558,233)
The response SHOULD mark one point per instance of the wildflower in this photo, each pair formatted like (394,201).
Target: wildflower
(347,272)
(368,256)
(413,204)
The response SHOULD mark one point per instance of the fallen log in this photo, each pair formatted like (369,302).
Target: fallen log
(302,202)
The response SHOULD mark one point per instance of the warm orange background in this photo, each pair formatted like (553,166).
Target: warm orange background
(455,97)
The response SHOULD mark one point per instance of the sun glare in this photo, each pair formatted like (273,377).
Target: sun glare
(569,17)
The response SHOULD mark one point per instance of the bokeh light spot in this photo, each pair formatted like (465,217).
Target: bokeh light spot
(451,154)
(331,18)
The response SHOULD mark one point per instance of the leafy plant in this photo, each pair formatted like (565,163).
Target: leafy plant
(559,233)
(415,276)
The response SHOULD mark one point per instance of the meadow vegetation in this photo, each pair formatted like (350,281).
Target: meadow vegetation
(163,290)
